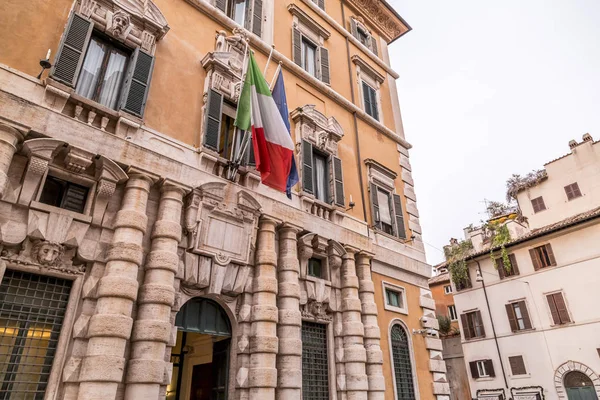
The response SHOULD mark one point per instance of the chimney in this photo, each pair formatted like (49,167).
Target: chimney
(587,138)
(572,144)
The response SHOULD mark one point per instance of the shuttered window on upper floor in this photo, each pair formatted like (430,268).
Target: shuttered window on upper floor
(572,191)
(247,13)
(542,257)
(310,55)
(363,35)
(320,3)
(101,69)
(558,308)
(322,175)
(370,101)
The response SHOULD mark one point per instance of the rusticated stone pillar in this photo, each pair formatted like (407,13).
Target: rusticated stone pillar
(152,328)
(110,327)
(353,331)
(366,292)
(289,359)
(9,138)
(262,378)
(243,348)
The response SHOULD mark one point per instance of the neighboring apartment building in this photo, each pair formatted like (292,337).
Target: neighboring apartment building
(133,269)
(443,294)
(530,331)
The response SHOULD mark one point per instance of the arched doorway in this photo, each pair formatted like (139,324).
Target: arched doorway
(201,355)
(579,386)
(402,365)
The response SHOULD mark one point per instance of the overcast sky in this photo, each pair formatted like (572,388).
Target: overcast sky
(488,89)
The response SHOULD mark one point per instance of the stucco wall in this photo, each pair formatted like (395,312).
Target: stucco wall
(443,300)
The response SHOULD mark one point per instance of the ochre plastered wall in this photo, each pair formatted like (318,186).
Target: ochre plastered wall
(421,354)
(442,300)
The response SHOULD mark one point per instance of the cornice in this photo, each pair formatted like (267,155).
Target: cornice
(308,21)
(383,18)
(356,59)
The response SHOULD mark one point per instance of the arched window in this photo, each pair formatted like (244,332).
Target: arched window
(405,389)
(203,316)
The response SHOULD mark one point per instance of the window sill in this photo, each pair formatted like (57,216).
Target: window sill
(317,280)
(395,309)
(36,205)
(520,331)
(485,379)
(524,376)
(387,235)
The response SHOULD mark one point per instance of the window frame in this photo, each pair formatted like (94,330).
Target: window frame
(542,256)
(321,268)
(80,180)
(514,271)
(538,204)
(111,45)
(512,374)
(452,307)
(306,43)
(411,351)
(481,368)
(401,291)
(328,175)
(569,316)
(572,191)
(231,11)
(375,92)
(474,320)
(447,289)
(378,222)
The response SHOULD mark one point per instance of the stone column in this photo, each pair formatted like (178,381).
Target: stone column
(262,378)
(152,328)
(289,359)
(9,138)
(366,292)
(353,331)
(244,329)
(110,327)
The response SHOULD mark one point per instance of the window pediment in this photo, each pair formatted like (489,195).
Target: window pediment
(322,131)
(366,69)
(308,21)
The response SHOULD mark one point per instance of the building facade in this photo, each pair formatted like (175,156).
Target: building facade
(529,326)
(134,266)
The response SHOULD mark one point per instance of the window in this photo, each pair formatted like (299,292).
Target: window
(318,171)
(472,325)
(503,271)
(558,308)
(320,3)
(393,298)
(542,257)
(517,365)
(448,289)
(309,57)
(362,34)
(363,37)
(66,195)
(403,374)
(518,316)
(247,13)
(102,73)
(482,369)
(387,211)
(370,100)
(538,204)
(315,368)
(572,191)
(220,134)
(315,267)
(32,310)
(452,312)
(101,69)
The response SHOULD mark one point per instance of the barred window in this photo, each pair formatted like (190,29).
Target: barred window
(315,371)
(32,310)
(405,389)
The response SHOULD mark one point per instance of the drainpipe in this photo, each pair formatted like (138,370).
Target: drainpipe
(487,302)
(358,158)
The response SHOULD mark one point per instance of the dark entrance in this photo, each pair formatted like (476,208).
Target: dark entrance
(579,386)
(201,355)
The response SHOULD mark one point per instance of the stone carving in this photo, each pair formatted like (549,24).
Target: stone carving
(314,126)
(384,19)
(87,7)
(45,254)
(316,310)
(120,24)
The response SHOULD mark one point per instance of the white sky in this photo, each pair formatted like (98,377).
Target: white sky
(488,89)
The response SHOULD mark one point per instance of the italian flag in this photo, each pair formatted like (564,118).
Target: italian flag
(273,145)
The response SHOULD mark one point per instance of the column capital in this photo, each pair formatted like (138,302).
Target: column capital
(167,184)
(269,220)
(12,134)
(363,254)
(287,227)
(350,250)
(135,172)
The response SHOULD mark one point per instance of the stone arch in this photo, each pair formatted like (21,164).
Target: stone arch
(564,369)
(402,324)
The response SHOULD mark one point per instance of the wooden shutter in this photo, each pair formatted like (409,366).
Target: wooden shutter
(321,4)
(297,46)
(221,5)
(324,56)
(257,17)
(374,45)
(513,263)
(367,98)
(338,182)
(550,254)
(479,322)
(501,270)
(525,314)
(307,167)
(553,309)
(353,28)
(71,51)
(251,158)
(517,365)
(137,82)
(75,198)
(474,370)
(400,228)
(535,258)
(512,319)
(212,127)
(465,326)
(561,308)
(374,205)
(489,368)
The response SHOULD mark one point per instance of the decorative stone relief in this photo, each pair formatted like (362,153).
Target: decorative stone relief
(315,127)
(382,16)
(138,23)
(224,65)
(44,254)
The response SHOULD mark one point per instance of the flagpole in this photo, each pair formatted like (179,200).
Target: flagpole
(269,59)
(275,76)
(235,164)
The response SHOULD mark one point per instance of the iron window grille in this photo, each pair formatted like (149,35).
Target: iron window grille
(315,370)
(32,310)
(405,389)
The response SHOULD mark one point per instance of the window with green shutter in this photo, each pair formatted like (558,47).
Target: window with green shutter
(370,100)
(322,175)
